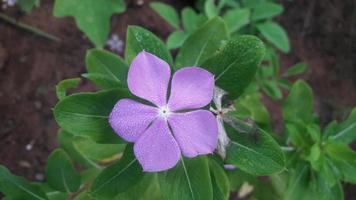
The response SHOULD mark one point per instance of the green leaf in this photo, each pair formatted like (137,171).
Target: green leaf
(60,172)
(252,3)
(323,191)
(266,10)
(91,16)
(189,180)
(298,183)
(254,152)
(64,85)
(28,5)
(275,34)
(139,39)
(235,65)
(211,10)
(95,151)
(105,69)
(346,131)
(236,19)
(220,181)
(167,12)
(86,114)
(14,187)
(176,39)
(119,177)
(270,87)
(201,44)
(190,19)
(295,70)
(299,103)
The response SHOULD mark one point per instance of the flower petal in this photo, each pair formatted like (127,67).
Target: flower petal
(192,87)
(156,149)
(196,132)
(148,78)
(130,119)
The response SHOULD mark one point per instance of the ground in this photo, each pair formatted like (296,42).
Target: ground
(323,35)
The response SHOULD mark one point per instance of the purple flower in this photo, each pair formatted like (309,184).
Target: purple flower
(172,125)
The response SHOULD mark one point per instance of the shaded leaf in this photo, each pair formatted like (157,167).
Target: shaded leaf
(275,34)
(266,10)
(295,70)
(167,12)
(64,85)
(236,19)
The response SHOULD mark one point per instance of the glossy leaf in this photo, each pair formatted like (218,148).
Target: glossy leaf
(91,16)
(64,85)
(275,34)
(201,44)
(60,172)
(236,19)
(119,177)
(14,187)
(266,10)
(105,69)
(235,65)
(139,39)
(299,103)
(176,39)
(167,12)
(86,114)
(189,180)
(254,152)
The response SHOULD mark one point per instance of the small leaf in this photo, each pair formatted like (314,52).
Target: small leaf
(97,151)
(176,39)
(139,39)
(346,131)
(295,70)
(189,180)
(235,65)
(270,87)
(211,10)
(190,19)
(298,183)
(86,114)
(299,103)
(60,172)
(275,34)
(64,85)
(14,187)
(91,16)
(266,10)
(236,19)
(119,177)
(105,69)
(28,5)
(167,12)
(201,44)
(254,152)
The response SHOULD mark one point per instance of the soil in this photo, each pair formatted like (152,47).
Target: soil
(322,33)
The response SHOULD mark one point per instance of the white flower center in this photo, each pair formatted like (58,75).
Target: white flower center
(164,112)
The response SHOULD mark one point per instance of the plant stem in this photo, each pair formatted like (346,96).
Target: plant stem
(29,28)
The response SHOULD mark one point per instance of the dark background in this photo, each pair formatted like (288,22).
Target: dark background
(322,34)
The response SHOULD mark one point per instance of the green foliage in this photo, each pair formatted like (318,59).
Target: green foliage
(167,12)
(63,86)
(275,34)
(236,19)
(28,5)
(91,16)
(60,172)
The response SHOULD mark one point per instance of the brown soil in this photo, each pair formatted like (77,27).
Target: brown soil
(322,35)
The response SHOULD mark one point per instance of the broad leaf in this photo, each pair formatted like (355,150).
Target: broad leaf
(105,69)
(14,187)
(201,44)
(91,16)
(299,103)
(254,152)
(236,19)
(139,39)
(86,114)
(119,177)
(220,181)
(60,172)
(346,131)
(189,180)
(266,10)
(64,85)
(167,12)
(176,39)
(235,65)
(298,183)
(275,34)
